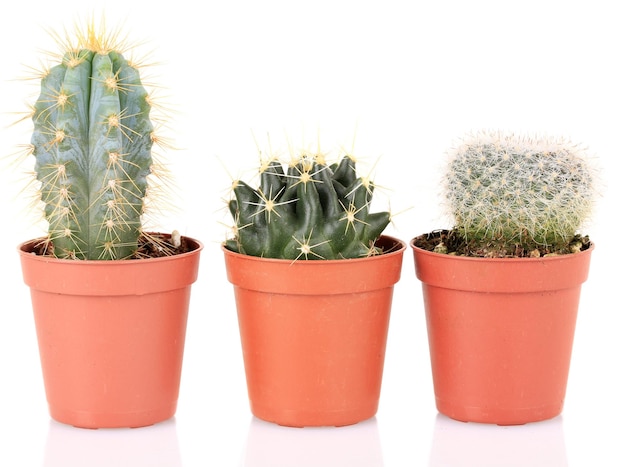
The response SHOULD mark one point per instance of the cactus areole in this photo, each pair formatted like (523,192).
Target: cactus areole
(310,211)
(92,142)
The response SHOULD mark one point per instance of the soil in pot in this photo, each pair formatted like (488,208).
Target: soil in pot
(452,243)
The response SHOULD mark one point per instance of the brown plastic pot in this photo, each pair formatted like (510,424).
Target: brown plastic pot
(314,334)
(500,333)
(111,335)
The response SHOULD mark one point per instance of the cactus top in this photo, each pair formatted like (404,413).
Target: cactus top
(92,142)
(308,210)
(515,190)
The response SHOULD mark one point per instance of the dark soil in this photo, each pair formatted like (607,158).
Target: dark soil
(452,243)
(151,245)
(155,245)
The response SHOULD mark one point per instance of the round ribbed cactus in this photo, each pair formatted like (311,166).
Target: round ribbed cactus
(306,209)
(92,142)
(512,191)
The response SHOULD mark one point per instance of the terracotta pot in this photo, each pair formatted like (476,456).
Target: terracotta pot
(500,333)
(111,335)
(314,334)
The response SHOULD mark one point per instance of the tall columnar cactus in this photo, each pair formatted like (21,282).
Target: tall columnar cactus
(510,190)
(311,210)
(92,142)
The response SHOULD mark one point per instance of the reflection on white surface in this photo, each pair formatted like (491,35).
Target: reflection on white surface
(473,444)
(152,446)
(271,445)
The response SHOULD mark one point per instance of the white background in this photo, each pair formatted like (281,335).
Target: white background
(411,77)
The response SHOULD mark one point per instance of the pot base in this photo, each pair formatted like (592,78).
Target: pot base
(94,420)
(298,418)
(495,416)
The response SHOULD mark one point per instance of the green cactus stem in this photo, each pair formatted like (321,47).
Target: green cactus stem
(308,210)
(92,142)
(511,191)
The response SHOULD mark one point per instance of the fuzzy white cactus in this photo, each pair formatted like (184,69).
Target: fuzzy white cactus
(508,190)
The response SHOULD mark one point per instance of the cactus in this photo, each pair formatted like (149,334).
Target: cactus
(512,192)
(306,209)
(92,142)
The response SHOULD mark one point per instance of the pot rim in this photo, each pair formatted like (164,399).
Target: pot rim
(501,275)
(109,277)
(314,277)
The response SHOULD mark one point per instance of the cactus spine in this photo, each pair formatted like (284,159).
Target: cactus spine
(311,210)
(92,142)
(508,190)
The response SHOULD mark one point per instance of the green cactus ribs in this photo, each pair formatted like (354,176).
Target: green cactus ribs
(306,210)
(92,142)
